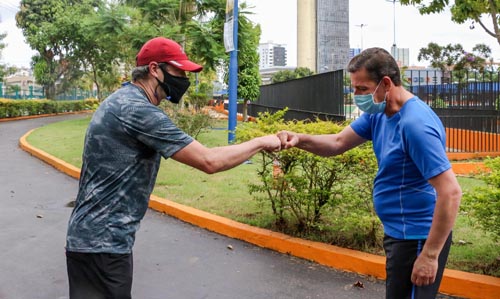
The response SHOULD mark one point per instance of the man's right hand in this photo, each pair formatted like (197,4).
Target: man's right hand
(271,143)
(288,139)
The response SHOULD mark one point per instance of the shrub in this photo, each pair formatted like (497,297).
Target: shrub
(299,185)
(15,108)
(191,122)
(483,203)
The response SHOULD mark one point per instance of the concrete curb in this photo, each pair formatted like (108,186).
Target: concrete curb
(455,283)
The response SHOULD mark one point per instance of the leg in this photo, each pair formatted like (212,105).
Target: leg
(99,275)
(400,256)
(431,291)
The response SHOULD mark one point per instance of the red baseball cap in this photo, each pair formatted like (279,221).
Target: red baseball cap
(162,49)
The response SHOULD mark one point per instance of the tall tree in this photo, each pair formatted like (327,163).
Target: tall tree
(99,46)
(2,46)
(454,57)
(442,57)
(49,27)
(463,10)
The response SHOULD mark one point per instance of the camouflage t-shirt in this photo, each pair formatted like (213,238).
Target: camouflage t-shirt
(123,147)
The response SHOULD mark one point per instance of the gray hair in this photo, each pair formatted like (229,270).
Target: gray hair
(140,72)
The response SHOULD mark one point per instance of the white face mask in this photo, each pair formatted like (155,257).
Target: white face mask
(366,102)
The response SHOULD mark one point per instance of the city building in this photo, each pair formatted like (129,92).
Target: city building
(353,52)
(20,85)
(271,55)
(401,55)
(322,34)
(423,76)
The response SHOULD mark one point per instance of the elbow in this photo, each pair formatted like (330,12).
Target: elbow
(209,166)
(456,198)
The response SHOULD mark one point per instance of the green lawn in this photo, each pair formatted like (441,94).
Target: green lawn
(226,193)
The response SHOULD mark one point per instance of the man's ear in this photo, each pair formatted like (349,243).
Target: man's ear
(387,82)
(153,68)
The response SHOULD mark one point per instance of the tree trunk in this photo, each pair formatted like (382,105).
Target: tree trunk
(245,110)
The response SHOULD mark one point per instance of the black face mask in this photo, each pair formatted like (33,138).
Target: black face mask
(174,86)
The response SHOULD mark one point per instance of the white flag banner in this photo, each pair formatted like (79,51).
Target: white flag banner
(229,26)
(228,36)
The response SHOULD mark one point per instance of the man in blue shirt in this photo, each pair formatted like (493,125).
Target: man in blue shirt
(416,194)
(125,141)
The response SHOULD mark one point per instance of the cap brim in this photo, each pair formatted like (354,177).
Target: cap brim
(186,65)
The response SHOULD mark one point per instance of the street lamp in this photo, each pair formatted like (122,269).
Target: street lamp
(394,20)
(361,26)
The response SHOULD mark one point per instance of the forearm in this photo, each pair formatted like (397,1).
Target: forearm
(445,214)
(226,157)
(322,145)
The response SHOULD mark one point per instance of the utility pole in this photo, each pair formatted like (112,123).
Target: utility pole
(361,26)
(394,20)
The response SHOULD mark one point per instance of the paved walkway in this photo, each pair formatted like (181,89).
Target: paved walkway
(172,259)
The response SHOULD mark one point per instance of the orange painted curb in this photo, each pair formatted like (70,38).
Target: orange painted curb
(456,283)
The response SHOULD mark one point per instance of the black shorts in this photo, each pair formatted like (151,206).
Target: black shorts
(99,275)
(400,257)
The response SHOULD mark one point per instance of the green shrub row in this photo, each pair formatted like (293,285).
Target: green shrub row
(16,108)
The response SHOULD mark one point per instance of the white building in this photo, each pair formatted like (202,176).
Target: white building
(271,55)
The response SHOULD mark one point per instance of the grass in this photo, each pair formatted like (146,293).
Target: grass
(226,193)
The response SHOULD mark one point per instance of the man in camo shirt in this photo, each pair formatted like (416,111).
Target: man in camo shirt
(124,143)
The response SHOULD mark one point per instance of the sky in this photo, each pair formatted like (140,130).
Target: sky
(278,20)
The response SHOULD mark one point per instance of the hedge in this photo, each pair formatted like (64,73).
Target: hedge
(16,108)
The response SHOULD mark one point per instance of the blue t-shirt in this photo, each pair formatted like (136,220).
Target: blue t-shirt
(410,147)
(123,147)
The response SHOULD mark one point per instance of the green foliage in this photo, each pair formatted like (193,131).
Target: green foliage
(439,103)
(483,203)
(191,122)
(464,10)
(454,56)
(16,108)
(249,80)
(52,28)
(287,75)
(300,186)
(198,100)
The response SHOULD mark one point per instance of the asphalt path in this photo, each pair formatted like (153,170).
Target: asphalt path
(172,259)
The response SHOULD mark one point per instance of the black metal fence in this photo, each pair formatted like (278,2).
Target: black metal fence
(318,96)
(467,103)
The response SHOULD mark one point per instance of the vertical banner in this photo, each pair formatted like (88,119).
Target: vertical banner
(229,26)
(231,44)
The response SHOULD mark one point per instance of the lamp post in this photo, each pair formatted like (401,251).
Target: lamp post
(394,19)
(361,26)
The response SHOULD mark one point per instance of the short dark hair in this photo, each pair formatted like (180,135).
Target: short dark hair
(378,63)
